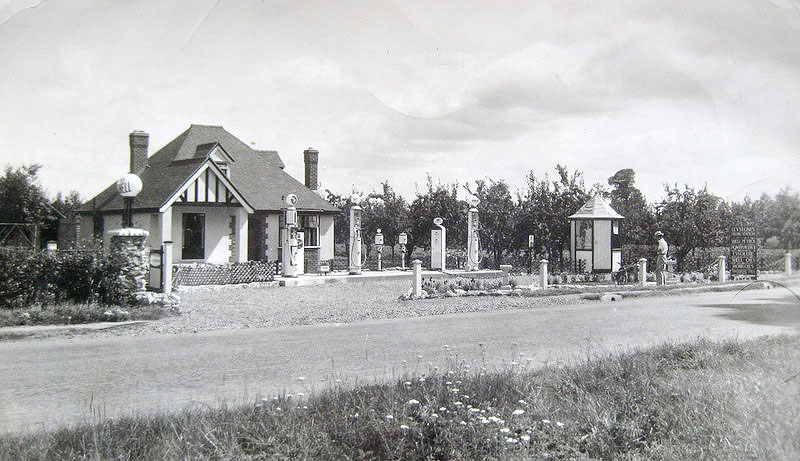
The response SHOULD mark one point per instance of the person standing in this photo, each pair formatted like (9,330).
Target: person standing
(661,259)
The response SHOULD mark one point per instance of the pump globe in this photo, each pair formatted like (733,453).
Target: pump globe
(129,185)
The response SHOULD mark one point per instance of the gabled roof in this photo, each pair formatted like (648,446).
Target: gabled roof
(257,175)
(596,208)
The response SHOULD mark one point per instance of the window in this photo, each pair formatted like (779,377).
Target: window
(615,241)
(583,234)
(310,228)
(194,236)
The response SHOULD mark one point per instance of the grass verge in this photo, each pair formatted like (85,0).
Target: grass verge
(71,314)
(705,400)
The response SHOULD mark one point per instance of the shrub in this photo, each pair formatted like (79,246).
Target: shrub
(49,277)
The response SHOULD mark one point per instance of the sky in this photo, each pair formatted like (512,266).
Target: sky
(684,92)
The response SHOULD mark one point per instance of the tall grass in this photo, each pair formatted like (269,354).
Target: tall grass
(704,400)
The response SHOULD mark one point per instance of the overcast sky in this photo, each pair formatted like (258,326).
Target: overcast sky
(695,92)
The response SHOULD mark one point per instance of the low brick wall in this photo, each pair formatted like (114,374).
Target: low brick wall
(223,274)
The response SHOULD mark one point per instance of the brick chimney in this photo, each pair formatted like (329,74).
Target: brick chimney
(138,142)
(311,158)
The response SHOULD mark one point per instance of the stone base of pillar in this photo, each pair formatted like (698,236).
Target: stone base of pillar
(128,250)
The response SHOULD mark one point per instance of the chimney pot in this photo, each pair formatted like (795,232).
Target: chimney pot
(138,142)
(311,159)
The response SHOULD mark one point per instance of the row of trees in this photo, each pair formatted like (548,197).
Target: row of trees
(690,218)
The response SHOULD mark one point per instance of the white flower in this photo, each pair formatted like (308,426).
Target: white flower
(511,440)
(559,424)
(463,423)
(434,415)
(448,383)
(413,402)
(300,378)
(407,383)
(546,421)
(505,430)
(403,427)
(389,417)
(522,402)
(442,409)
(454,390)
(518,412)
(485,421)
(458,404)
(526,438)
(474,410)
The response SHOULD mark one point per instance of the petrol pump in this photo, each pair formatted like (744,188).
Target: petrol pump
(292,252)
(402,239)
(355,240)
(379,247)
(473,239)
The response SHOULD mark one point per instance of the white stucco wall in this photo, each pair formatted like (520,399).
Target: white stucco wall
(325,237)
(273,233)
(602,244)
(217,232)
(140,221)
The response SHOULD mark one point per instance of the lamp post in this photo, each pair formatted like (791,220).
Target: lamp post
(128,187)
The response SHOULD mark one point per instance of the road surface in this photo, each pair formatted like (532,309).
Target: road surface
(44,384)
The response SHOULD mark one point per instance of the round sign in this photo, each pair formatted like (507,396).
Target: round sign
(378,231)
(291,200)
(155,260)
(129,185)
(438,221)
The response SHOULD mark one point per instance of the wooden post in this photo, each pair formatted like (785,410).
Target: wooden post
(642,271)
(506,268)
(543,274)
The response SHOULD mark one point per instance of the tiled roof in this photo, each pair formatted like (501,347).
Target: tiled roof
(258,175)
(596,208)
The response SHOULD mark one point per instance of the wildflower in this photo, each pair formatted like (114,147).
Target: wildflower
(526,438)
(403,427)
(474,410)
(546,421)
(448,383)
(278,409)
(446,346)
(511,440)
(301,394)
(389,417)
(289,396)
(463,423)
(458,382)
(275,398)
(413,402)
(354,415)
(522,402)
(505,430)
(407,383)
(443,409)
(559,424)
(305,407)
(422,379)
(434,415)
(454,390)
(458,404)
(485,421)
(518,412)
(301,379)
(419,357)
(465,396)
(338,381)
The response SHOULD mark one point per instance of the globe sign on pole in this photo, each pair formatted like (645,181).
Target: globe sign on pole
(128,187)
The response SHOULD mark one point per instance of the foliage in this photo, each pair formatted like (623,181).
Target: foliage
(73,314)
(439,201)
(544,208)
(497,214)
(22,199)
(673,401)
(53,277)
(627,200)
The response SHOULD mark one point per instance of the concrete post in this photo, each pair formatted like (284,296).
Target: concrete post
(166,266)
(417,287)
(721,268)
(787,264)
(642,271)
(543,273)
(506,268)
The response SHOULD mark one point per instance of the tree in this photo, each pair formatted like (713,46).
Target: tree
(544,209)
(497,212)
(627,200)
(389,212)
(22,199)
(689,219)
(439,201)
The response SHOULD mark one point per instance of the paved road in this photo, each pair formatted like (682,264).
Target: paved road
(56,381)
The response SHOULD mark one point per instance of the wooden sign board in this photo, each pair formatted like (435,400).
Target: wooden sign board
(744,249)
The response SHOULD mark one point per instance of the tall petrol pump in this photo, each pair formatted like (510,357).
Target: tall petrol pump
(379,248)
(473,238)
(355,240)
(402,239)
(438,245)
(292,252)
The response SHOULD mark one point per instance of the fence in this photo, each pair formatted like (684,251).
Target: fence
(223,274)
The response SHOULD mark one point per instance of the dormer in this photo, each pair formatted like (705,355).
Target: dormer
(218,154)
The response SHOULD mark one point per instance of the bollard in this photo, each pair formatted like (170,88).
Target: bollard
(721,268)
(506,268)
(166,266)
(787,264)
(543,274)
(380,265)
(642,271)
(417,267)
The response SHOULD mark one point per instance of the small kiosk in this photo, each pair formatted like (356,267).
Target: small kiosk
(594,237)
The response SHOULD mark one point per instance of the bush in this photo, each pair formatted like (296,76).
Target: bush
(50,277)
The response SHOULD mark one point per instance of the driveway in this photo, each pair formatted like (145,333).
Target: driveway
(51,382)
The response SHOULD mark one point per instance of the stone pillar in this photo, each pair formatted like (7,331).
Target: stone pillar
(787,264)
(642,271)
(506,268)
(543,273)
(417,287)
(721,268)
(128,249)
(166,266)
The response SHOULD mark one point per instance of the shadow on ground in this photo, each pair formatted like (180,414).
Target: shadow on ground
(784,311)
